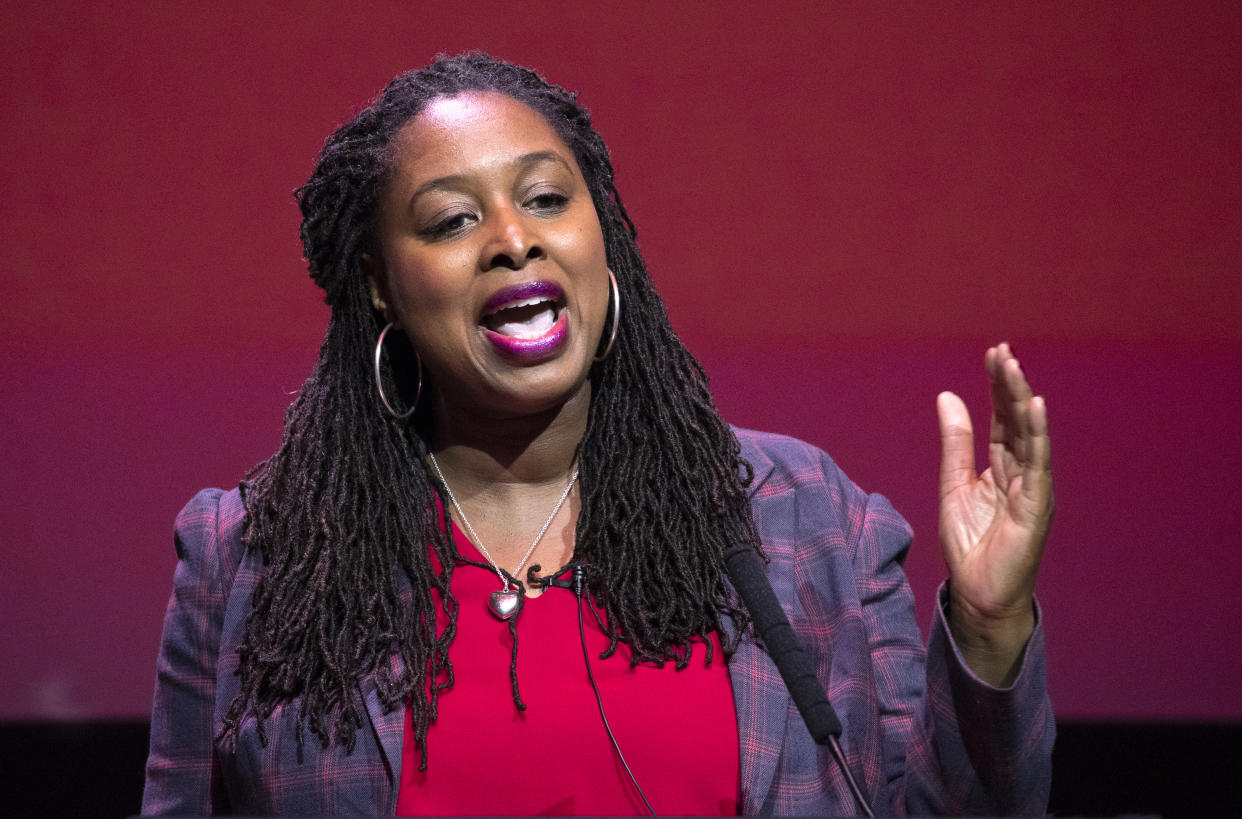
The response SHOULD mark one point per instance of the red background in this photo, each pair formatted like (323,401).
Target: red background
(842,204)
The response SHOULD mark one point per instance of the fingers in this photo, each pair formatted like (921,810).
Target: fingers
(1019,444)
(1037,470)
(1011,402)
(957,443)
(1010,392)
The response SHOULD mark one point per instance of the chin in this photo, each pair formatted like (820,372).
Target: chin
(539,395)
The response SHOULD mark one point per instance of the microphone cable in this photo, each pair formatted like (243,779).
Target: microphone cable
(586,658)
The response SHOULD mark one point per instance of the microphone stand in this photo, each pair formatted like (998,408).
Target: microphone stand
(772,627)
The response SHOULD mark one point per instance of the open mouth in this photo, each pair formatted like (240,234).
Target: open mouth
(527,323)
(523,312)
(524,319)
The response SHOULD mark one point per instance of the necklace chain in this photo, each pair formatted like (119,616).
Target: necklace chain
(474,536)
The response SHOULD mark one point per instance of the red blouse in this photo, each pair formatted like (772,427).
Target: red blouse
(678,730)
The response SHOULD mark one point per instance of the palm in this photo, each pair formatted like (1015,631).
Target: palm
(993,526)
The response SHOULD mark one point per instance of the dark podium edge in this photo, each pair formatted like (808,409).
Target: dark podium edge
(1170,769)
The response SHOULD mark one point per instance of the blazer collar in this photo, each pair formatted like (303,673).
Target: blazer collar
(759,461)
(759,694)
(762,703)
(388,724)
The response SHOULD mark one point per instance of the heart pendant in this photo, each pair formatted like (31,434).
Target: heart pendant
(503,603)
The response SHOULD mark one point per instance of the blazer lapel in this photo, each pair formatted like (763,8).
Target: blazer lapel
(389,726)
(759,694)
(762,704)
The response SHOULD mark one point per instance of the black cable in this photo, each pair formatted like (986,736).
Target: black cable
(586,658)
(839,756)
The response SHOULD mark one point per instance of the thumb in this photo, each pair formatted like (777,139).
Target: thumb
(957,443)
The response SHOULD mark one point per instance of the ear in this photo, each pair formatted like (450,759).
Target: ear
(377,283)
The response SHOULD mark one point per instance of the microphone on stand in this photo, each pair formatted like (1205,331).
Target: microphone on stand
(746,571)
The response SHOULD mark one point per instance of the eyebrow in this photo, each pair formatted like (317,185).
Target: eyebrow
(523,161)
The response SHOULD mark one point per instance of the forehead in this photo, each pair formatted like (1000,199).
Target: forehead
(471,132)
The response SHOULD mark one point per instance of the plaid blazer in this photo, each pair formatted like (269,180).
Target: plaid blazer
(922,734)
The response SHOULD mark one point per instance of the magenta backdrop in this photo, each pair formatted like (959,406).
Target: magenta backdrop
(842,204)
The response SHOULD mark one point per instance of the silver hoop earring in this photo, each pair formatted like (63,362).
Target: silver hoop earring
(615,292)
(379,382)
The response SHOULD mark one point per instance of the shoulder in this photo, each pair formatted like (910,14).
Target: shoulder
(781,463)
(799,491)
(208,532)
(797,486)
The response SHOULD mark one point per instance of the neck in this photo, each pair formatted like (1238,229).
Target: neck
(508,474)
(490,455)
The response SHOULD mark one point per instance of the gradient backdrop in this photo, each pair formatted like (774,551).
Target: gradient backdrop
(843,205)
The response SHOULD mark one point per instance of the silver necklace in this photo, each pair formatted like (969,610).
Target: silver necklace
(503,603)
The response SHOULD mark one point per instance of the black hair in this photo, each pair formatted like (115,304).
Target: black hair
(356,550)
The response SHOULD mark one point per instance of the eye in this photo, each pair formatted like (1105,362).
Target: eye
(547,201)
(448,225)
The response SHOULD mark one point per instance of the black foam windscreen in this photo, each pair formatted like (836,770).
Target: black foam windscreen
(746,571)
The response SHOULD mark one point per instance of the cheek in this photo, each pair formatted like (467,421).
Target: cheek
(583,243)
(425,281)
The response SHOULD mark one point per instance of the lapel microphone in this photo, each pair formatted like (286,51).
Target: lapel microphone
(576,582)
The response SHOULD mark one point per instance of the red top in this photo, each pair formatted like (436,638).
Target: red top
(677,729)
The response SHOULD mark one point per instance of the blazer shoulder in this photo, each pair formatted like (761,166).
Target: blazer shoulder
(208,531)
(799,490)
(780,460)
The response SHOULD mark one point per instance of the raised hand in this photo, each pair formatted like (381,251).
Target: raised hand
(994,525)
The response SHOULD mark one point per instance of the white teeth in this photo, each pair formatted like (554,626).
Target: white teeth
(524,303)
(523,318)
(532,327)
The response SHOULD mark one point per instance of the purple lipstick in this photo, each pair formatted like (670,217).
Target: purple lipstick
(526,323)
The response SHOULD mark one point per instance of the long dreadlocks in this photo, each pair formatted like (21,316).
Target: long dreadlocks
(356,551)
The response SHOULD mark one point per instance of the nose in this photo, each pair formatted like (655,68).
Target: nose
(513,241)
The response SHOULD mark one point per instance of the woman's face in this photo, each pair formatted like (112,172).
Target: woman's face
(491,256)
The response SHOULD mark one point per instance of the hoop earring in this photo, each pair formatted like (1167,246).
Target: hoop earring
(615,292)
(379,382)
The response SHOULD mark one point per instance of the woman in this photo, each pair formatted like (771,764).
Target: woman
(383,618)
